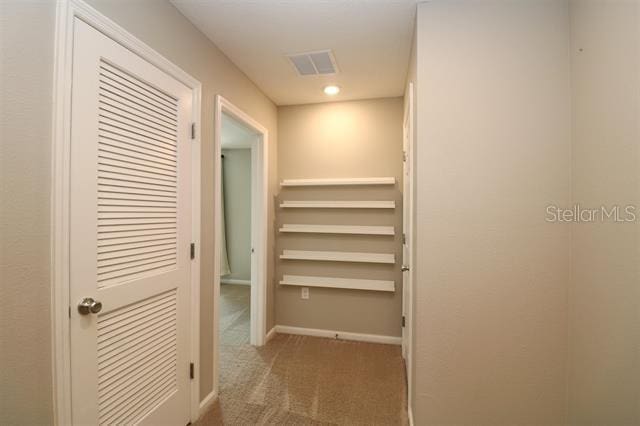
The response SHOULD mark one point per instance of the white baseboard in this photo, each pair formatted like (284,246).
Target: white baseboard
(234,281)
(206,403)
(270,335)
(343,335)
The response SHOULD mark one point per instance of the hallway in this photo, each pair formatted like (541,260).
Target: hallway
(363,212)
(300,379)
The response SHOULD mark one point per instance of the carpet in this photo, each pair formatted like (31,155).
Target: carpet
(302,380)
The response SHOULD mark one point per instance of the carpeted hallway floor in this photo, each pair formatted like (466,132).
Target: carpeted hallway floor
(300,380)
(234,317)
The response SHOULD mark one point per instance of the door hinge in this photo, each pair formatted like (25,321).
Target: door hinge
(192,369)
(69,311)
(403,321)
(193,130)
(404,156)
(193,251)
(404,239)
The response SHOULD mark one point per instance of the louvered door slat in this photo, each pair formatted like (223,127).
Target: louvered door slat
(134,142)
(110,364)
(123,106)
(110,382)
(115,141)
(110,239)
(117,244)
(111,83)
(116,264)
(137,154)
(126,351)
(151,93)
(125,173)
(146,399)
(151,170)
(117,361)
(136,126)
(116,394)
(132,157)
(113,176)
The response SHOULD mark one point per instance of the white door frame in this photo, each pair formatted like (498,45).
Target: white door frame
(259,227)
(409,227)
(67,12)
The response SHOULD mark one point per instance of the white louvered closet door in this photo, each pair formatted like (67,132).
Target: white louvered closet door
(130,237)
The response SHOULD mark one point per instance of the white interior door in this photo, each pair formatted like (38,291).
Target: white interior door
(130,237)
(407,228)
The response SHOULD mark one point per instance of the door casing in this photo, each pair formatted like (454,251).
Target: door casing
(259,227)
(408,229)
(66,12)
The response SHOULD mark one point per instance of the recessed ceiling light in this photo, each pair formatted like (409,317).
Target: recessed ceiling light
(331,90)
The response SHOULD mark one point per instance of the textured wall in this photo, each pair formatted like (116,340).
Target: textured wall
(26,67)
(494,148)
(332,140)
(237,207)
(604,323)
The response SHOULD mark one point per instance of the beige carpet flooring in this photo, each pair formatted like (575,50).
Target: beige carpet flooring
(234,317)
(300,380)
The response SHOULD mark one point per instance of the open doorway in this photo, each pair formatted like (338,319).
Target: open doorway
(237,141)
(241,233)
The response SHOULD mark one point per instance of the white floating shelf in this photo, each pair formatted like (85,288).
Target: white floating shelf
(339,182)
(353,284)
(339,229)
(338,256)
(339,204)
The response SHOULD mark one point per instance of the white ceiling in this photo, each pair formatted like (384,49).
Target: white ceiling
(234,135)
(371,41)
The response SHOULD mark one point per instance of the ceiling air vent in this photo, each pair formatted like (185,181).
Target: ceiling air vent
(320,62)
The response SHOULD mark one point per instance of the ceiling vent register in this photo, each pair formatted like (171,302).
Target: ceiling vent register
(320,62)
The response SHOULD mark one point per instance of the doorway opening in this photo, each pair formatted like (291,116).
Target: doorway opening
(240,233)
(237,143)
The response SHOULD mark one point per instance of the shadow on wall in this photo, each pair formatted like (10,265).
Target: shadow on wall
(237,213)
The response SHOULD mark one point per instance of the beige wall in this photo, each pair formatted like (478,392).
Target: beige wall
(604,323)
(26,67)
(342,139)
(27,57)
(237,207)
(493,149)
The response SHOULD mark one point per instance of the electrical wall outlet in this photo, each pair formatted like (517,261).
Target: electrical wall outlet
(304,293)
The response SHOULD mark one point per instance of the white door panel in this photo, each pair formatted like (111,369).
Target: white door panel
(130,234)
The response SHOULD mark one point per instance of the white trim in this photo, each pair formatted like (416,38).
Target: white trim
(339,204)
(408,343)
(270,335)
(330,282)
(340,335)
(67,11)
(259,227)
(338,229)
(207,403)
(233,281)
(339,181)
(338,256)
